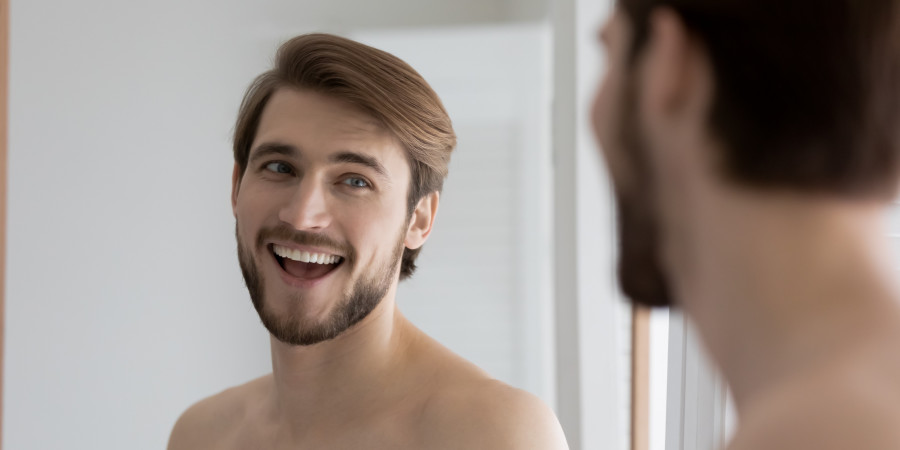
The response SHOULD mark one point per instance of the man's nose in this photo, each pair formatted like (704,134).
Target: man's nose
(308,208)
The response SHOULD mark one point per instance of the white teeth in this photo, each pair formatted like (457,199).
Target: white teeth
(305,257)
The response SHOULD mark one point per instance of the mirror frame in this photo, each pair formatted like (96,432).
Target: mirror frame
(4,119)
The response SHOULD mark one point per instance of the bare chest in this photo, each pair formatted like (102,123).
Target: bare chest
(376,433)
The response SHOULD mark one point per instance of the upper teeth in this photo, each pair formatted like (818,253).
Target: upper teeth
(306,257)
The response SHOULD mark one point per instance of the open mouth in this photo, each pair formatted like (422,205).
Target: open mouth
(304,265)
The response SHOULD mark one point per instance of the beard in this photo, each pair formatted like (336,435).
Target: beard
(640,268)
(365,294)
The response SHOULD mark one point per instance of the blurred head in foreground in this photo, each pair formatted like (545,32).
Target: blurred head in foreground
(759,96)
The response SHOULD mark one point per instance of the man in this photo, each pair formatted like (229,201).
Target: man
(340,154)
(754,146)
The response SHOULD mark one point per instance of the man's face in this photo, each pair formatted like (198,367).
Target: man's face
(321,216)
(617,124)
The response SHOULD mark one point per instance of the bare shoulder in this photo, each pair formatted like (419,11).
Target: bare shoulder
(488,414)
(213,419)
(464,408)
(851,410)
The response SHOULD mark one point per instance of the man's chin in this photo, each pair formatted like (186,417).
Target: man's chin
(640,273)
(312,304)
(645,285)
(300,331)
(305,317)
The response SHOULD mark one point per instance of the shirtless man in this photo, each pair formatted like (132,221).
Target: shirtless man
(754,146)
(340,154)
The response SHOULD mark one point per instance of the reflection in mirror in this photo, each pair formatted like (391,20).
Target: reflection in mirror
(125,300)
(124,297)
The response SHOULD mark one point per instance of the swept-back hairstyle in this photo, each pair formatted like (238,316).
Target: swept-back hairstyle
(380,84)
(807,92)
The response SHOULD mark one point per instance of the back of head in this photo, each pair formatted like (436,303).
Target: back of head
(377,82)
(807,92)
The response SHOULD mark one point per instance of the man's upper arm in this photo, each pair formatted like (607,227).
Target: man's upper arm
(199,426)
(184,433)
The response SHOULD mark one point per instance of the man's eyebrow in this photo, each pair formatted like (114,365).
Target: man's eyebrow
(273,148)
(359,158)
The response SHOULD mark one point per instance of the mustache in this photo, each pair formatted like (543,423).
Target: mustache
(287,233)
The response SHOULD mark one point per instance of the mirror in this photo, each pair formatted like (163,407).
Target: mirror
(124,300)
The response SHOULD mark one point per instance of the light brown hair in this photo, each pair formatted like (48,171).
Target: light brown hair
(377,82)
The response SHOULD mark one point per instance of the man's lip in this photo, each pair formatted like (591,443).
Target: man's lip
(297,282)
(305,248)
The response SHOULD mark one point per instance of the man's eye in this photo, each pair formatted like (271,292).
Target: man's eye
(278,167)
(356,182)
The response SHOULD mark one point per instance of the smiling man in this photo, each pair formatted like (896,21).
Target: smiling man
(754,147)
(340,154)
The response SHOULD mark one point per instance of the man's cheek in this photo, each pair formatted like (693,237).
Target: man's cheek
(604,121)
(599,116)
(611,149)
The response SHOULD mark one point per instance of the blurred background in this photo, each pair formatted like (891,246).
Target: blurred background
(124,300)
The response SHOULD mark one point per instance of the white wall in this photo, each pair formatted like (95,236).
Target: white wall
(351,15)
(124,300)
(529,10)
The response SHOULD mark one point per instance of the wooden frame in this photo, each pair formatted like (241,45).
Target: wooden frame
(640,378)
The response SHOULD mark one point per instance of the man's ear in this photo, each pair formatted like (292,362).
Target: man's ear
(676,91)
(235,187)
(675,63)
(422,221)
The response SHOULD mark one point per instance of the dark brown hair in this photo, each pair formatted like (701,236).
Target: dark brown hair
(377,82)
(807,92)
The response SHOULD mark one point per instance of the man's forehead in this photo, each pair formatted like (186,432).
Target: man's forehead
(288,103)
(603,33)
(615,24)
(310,119)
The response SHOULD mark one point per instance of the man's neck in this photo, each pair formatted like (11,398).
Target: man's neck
(779,286)
(333,378)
